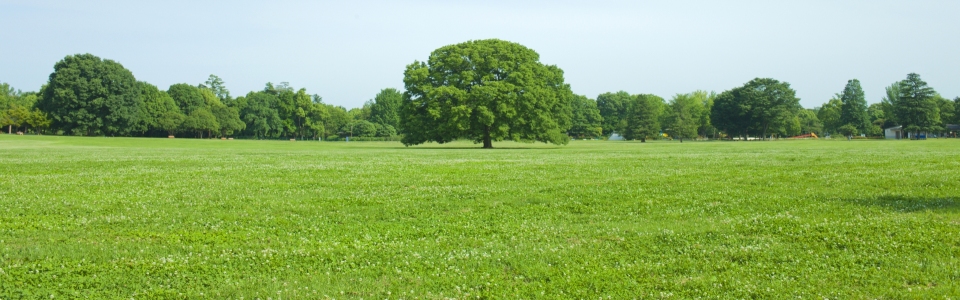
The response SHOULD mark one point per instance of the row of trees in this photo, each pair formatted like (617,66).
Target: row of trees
(86,95)
(487,90)
(910,103)
(17,112)
(645,116)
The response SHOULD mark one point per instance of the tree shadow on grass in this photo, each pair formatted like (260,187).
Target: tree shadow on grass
(476,148)
(908,204)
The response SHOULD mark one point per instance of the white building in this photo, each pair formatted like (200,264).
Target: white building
(897,132)
(894,133)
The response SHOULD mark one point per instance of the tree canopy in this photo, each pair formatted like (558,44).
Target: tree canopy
(755,107)
(86,95)
(484,90)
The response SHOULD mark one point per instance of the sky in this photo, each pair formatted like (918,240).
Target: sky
(347,51)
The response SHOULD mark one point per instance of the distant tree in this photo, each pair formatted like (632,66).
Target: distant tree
(286,107)
(7,93)
(228,119)
(86,95)
(317,114)
(586,119)
(789,125)
(485,90)
(361,128)
(956,109)
(770,101)
(848,130)
(853,110)
(809,123)
(156,104)
(15,117)
(915,108)
(757,105)
(187,97)
(643,117)
(338,118)
(216,85)
(386,107)
(705,127)
(200,121)
(683,116)
(38,120)
(363,112)
(170,121)
(301,114)
(875,112)
(728,115)
(613,110)
(830,114)
(385,130)
(946,109)
(261,118)
(888,103)
(878,118)
(5,121)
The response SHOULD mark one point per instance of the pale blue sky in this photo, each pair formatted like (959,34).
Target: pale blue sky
(348,51)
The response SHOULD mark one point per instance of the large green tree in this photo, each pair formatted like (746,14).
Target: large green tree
(915,108)
(770,101)
(86,95)
(643,117)
(853,110)
(386,107)
(729,114)
(614,109)
(485,90)
(586,120)
(756,106)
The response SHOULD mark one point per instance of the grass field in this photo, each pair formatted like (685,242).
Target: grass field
(160,218)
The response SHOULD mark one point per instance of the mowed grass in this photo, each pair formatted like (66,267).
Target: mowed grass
(160,218)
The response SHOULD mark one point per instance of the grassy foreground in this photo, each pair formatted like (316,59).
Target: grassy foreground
(159,218)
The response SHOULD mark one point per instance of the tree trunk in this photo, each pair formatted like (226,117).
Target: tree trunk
(9,129)
(681,140)
(487,142)
(643,140)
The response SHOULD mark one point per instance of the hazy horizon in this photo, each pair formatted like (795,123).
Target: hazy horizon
(347,52)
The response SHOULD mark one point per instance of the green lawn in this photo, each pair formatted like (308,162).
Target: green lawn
(182,218)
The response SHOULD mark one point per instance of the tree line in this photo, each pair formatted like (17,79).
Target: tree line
(485,91)
(90,96)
